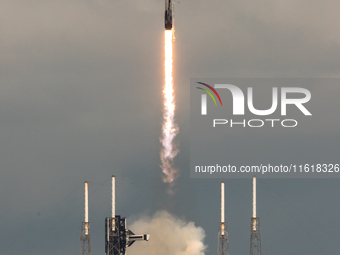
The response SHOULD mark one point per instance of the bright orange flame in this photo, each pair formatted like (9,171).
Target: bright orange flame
(169,128)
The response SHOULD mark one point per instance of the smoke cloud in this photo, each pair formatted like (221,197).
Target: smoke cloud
(168,236)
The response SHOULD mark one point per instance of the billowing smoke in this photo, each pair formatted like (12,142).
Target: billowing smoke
(168,236)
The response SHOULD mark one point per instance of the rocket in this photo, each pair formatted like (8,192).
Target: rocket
(168,14)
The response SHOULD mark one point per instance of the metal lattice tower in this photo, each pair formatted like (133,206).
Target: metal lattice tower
(85,244)
(117,236)
(115,233)
(255,234)
(255,237)
(223,238)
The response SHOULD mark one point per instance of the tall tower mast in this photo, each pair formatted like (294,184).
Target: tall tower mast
(223,238)
(255,234)
(113,202)
(85,244)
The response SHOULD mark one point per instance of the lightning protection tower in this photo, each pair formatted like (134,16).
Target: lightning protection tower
(85,244)
(255,234)
(223,238)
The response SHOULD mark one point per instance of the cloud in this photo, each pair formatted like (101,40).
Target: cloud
(168,236)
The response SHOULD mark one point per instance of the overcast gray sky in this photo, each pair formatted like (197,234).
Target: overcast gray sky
(81,99)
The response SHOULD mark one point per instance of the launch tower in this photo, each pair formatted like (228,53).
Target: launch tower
(117,236)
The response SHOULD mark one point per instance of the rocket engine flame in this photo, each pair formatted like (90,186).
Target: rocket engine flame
(169,128)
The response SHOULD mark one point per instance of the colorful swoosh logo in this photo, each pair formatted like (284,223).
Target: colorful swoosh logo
(208,92)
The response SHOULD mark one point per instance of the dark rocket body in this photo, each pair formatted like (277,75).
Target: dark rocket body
(168,14)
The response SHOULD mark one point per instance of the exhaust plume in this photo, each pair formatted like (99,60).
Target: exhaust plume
(169,128)
(168,236)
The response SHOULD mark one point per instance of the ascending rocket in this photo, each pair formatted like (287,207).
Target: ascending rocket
(168,14)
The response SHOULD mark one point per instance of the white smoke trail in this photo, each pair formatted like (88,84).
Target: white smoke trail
(168,236)
(169,128)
